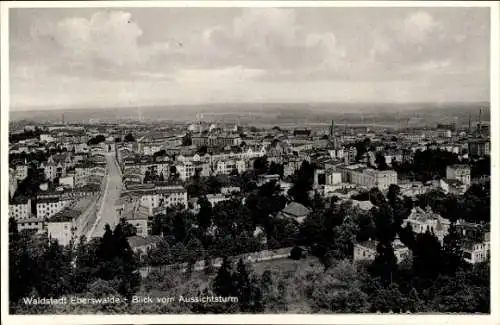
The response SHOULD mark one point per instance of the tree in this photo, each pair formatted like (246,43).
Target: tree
(302,184)
(366,227)
(385,263)
(427,256)
(129,138)
(147,177)
(159,254)
(242,286)
(393,193)
(388,299)
(248,292)
(23,266)
(209,267)
(276,169)
(178,252)
(384,223)
(260,165)
(460,293)
(186,140)
(194,251)
(296,253)
(13,231)
(339,290)
(452,250)
(96,140)
(117,262)
(407,236)
(56,266)
(213,184)
(344,238)
(413,303)
(205,213)
(223,283)
(362,148)
(376,197)
(380,162)
(173,172)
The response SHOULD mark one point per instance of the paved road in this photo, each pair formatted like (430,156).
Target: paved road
(106,213)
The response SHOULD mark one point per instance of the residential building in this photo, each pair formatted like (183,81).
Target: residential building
(35,225)
(69,223)
(68,180)
(422,221)
(141,244)
(48,207)
(228,190)
(50,169)
(137,214)
(452,186)
(477,251)
(185,170)
(479,148)
(291,166)
(217,198)
(21,172)
(225,167)
(459,172)
(61,230)
(47,138)
(88,173)
(155,196)
(471,231)
(374,178)
(262,179)
(367,251)
(412,189)
(221,140)
(296,211)
(332,177)
(20,210)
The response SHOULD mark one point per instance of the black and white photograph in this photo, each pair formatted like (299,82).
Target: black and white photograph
(275,158)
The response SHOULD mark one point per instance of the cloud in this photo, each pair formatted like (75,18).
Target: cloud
(108,36)
(105,42)
(418,26)
(271,38)
(247,54)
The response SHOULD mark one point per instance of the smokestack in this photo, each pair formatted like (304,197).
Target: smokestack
(479,120)
(470,125)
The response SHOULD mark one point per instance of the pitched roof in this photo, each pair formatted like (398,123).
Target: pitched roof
(296,209)
(137,241)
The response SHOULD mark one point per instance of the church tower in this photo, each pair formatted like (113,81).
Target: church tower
(333,138)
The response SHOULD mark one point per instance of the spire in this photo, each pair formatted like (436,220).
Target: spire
(479,120)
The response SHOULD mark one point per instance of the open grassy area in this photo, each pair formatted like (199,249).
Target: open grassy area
(285,265)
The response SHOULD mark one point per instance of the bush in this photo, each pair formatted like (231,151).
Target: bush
(297,253)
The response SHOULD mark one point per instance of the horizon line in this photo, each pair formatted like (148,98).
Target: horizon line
(73,108)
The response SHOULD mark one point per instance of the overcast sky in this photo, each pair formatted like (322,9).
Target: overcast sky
(164,56)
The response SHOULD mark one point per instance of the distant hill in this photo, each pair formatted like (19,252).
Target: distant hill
(275,113)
